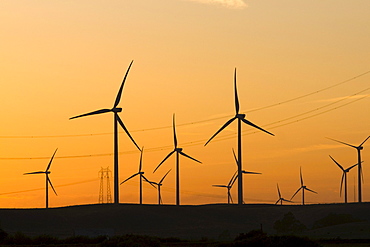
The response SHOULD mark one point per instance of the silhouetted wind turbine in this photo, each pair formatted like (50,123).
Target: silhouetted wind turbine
(281,199)
(358,148)
(48,181)
(141,175)
(159,184)
(241,118)
(303,187)
(228,187)
(344,178)
(117,120)
(178,151)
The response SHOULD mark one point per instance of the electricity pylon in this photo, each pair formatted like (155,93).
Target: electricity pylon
(105,174)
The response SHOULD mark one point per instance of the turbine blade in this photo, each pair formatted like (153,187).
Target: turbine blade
(285,200)
(300,174)
(253,125)
(141,159)
(129,178)
(311,190)
(278,190)
(184,154)
(92,113)
(174,132)
(28,173)
(235,178)
(232,179)
(236,160)
(148,181)
(277,201)
(221,186)
(348,169)
(246,172)
(236,95)
(118,98)
(164,176)
(364,141)
(296,193)
(51,185)
(125,129)
(341,167)
(168,155)
(231,198)
(342,142)
(223,127)
(51,160)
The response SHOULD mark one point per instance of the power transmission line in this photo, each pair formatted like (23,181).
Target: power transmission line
(200,121)
(225,137)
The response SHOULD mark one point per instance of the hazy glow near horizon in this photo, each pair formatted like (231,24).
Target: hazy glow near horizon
(237,4)
(302,74)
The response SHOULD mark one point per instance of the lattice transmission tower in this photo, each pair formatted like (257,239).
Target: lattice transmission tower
(105,174)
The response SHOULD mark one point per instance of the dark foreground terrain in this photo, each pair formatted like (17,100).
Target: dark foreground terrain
(205,222)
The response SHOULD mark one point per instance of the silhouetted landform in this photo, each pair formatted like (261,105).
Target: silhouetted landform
(216,221)
(253,238)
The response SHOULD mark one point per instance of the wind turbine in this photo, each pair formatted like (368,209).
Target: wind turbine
(159,184)
(358,148)
(303,187)
(243,171)
(117,120)
(281,199)
(241,118)
(344,178)
(178,151)
(141,175)
(48,181)
(228,187)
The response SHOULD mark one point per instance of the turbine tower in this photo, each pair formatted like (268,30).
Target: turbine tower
(344,178)
(117,120)
(178,151)
(241,118)
(303,187)
(359,175)
(48,181)
(141,175)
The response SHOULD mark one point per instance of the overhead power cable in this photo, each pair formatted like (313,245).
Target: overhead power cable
(200,121)
(228,136)
(36,189)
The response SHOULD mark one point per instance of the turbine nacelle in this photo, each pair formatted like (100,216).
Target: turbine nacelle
(240,116)
(116,109)
(178,149)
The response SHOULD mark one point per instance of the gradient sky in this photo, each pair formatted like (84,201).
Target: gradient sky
(64,58)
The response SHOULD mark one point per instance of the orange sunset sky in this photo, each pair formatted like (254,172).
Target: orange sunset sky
(303,73)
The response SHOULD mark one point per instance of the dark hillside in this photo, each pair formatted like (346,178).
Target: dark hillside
(190,222)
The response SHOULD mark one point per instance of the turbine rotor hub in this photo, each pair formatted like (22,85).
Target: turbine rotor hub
(178,149)
(117,109)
